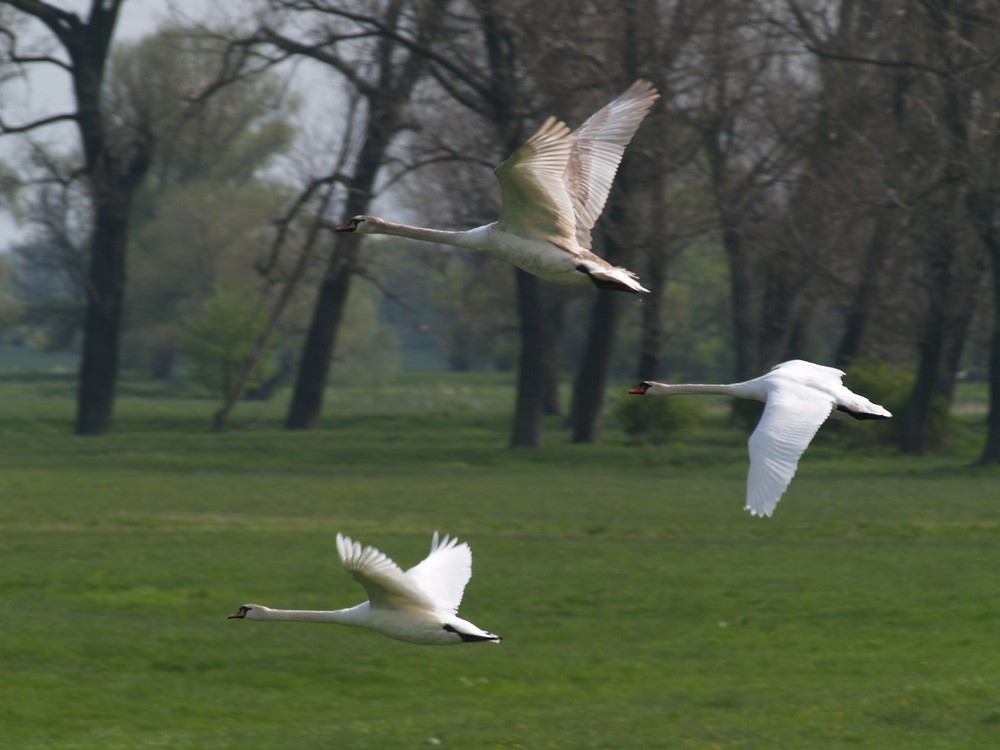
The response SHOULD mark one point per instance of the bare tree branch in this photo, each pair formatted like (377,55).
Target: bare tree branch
(250,364)
(6,129)
(286,220)
(22,60)
(61,22)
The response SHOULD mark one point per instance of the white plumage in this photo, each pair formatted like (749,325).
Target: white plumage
(554,188)
(798,398)
(418,606)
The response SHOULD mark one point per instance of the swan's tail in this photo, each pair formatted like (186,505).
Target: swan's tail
(469,633)
(614,278)
(861,408)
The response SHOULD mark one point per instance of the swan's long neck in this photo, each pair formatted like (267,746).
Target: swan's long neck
(740,390)
(474,239)
(340,616)
(681,389)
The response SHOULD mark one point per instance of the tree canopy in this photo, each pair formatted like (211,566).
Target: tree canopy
(818,180)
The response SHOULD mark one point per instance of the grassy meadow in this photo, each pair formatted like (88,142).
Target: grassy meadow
(640,606)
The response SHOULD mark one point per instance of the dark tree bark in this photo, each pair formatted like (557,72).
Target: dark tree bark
(779,323)
(112,199)
(317,353)
(592,374)
(741,302)
(554,306)
(865,293)
(991,451)
(930,349)
(951,298)
(651,313)
(112,173)
(983,207)
(532,379)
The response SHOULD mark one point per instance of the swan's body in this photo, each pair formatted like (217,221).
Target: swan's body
(553,189)
(798,397)
(418,606)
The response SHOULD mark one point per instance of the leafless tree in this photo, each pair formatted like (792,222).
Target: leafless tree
(504,67)
(112,170)
(376,49)
(937,62)
(116,151)
(748,112)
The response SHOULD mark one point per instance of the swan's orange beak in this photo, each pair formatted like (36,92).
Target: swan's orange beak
(348,227)
(639,389)
(241,612)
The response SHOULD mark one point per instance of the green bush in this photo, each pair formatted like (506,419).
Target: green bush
(656,420)
(220,338)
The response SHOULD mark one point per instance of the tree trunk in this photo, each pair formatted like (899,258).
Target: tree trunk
(105,296)
(983,209)
(956,330)
(865,293)
(948,317)
(314,367)
(991,451)
(740,289)
(778,312)
(551,352)
(592,374)
(651,312)
(651,333)
(918,406)
(532,378)
(112,183)
(661,248)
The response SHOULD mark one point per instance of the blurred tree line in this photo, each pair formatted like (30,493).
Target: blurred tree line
(820,179)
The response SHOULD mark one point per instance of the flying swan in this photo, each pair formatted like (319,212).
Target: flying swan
(798,397)
(553,188)
(418,606)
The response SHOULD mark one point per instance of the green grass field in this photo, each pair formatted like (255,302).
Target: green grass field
(641,607)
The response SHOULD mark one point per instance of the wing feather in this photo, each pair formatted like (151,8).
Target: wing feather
(444,573)
(786,428)
(388,587)
(535,202)
(597,149)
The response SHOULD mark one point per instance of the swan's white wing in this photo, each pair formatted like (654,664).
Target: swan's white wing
(788,424)
(535,201)
(806,372)
(598,146)
(387,585)
(444,573)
